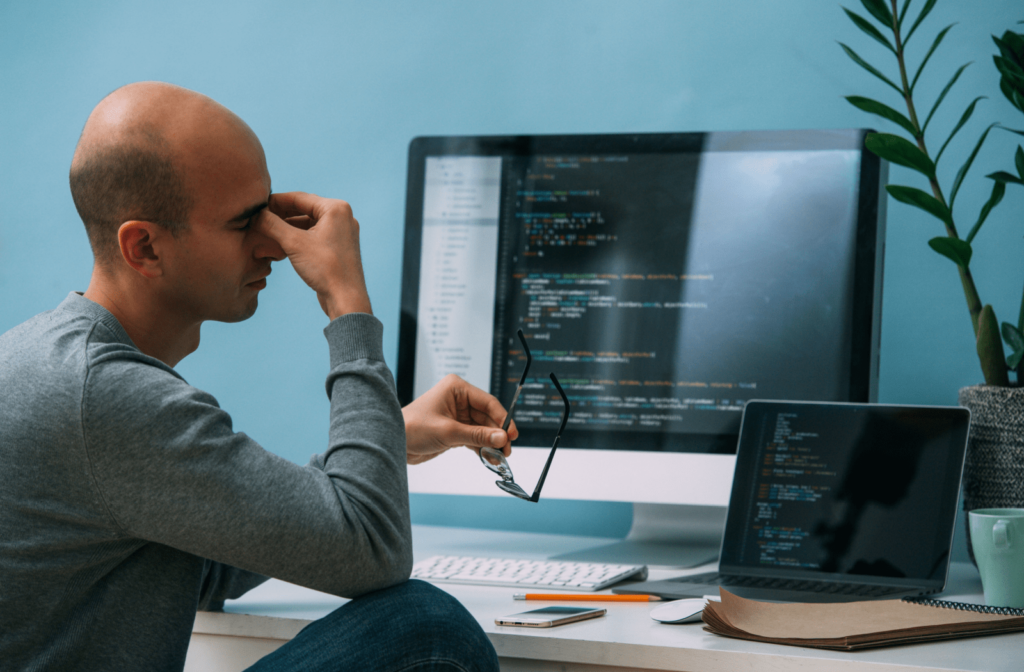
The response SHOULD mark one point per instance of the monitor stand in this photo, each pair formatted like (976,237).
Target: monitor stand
(670,535)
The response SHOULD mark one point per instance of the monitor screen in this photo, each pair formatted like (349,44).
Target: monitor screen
(665,279)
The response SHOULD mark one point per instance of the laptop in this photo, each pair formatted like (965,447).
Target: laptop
(836,502)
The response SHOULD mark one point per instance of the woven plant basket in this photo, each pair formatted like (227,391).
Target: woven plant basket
(994,468)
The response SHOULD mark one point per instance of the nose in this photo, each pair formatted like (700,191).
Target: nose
(267,248)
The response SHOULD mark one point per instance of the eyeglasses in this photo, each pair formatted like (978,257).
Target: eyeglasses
(494,460)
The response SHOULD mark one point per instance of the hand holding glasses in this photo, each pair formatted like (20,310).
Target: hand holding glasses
(495,461)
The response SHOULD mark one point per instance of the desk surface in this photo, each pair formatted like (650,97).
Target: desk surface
(626,637)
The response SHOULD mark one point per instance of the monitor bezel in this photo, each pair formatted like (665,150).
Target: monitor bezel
(866,308)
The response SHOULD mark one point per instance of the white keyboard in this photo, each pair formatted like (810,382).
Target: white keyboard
(525,573)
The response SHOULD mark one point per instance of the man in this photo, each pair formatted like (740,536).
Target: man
(127,499)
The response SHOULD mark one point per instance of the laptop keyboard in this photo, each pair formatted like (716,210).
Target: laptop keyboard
(826,587)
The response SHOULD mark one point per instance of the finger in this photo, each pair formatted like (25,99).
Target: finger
(455,433)
(512,435)
(513,431)
(295,203)
(300,221)
(506,451)
(486,403)
(481,418)
(276,228)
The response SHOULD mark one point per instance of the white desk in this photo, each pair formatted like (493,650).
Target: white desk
(625,639)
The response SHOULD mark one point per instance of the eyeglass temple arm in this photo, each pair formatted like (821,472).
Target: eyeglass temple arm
(529,357)
(522,380)
(558,437)
(511,408)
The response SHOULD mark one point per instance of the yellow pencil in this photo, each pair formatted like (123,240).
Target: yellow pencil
(584,597)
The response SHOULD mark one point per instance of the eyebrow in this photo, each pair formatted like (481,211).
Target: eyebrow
(248,212)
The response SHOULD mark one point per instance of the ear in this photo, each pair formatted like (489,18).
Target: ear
(139,241)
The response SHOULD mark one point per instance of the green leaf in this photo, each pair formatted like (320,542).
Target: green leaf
(896,150)
(1018,158)
(1020,318)
(1004,47)
(1009,68)
(1013,360)
(1010,71)
(866,26)
(903,14)
(1012,130)
(920,199)
(884,111)
(1015,43)
(1003,176)
(1010,94)
(935,45)
(867,66)
(990,349)
(942,95)
(953,248)
(998,190)
(1013,337)
(879,10)
(963,120)
(920,17)
(962,173)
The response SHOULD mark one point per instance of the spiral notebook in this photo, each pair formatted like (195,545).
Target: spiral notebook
(856,625)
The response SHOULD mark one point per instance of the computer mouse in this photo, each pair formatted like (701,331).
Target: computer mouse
(680,611)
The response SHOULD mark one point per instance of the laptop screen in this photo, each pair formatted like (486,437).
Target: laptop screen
(848,490)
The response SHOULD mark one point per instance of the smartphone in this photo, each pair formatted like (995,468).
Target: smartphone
(549,617)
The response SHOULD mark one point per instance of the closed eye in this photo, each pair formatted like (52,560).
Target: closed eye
(248,216)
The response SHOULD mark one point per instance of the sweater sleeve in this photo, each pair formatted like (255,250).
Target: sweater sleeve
(170,469)
(222,582)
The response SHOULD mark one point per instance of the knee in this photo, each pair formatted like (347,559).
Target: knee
(436,626)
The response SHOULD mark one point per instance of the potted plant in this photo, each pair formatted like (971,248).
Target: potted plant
(994,470)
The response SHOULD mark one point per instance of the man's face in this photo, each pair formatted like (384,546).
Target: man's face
(215,269)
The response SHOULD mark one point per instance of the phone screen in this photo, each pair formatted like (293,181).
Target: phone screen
(547,617)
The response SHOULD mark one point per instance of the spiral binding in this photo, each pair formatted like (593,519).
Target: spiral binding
(965,606)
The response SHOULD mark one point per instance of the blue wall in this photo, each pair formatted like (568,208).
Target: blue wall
(337,89)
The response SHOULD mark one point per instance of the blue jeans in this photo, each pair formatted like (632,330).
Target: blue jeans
(411,627)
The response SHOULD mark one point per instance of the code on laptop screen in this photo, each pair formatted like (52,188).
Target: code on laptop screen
(846,489)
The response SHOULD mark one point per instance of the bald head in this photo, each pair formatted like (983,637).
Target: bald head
(142,156)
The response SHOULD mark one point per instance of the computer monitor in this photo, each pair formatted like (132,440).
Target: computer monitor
(664,278)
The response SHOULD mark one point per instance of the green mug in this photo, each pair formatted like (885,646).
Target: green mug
(997,537)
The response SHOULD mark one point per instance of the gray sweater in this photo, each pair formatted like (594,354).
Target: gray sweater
(127,501)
